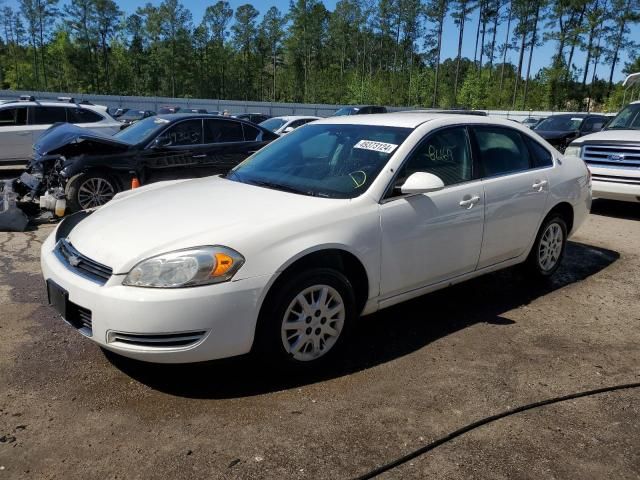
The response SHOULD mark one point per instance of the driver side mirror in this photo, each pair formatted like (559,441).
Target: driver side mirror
(422,182)
(162,141)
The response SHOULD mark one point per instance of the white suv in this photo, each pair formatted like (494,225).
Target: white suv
(23,121)
(613,156)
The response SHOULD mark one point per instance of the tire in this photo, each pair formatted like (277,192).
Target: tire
(319,334)
(548,250)
(79,187)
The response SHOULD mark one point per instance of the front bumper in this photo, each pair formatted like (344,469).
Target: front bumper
(217,321)
(616,183)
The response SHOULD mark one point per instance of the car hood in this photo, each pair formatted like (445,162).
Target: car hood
(611,136)
(554,134)
(182,214)
(63,134)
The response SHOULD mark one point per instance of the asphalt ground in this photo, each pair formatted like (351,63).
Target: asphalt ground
(412,374)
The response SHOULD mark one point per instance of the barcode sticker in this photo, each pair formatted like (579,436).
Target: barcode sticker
(376,146)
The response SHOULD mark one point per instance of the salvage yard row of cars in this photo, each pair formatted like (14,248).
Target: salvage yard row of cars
(293,230)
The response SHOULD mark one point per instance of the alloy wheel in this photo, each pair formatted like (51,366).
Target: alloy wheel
(550,247)
(313,322)
(94,192)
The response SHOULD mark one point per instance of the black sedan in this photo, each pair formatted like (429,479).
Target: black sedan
(252,117)
(561,130)
(90,169)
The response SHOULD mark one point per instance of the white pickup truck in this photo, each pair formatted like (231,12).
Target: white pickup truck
(613,156)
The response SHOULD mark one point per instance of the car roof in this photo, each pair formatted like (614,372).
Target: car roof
(412,120)
(290,118)
(37,103)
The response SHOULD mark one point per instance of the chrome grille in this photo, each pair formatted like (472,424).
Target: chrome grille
(616,179)
(612,155)
(83,266)
(164,340)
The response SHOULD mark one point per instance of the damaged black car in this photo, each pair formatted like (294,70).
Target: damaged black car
(88,170)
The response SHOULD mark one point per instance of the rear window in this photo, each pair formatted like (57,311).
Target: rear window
(82,115)
(50,115)
(251,134)
(541,157)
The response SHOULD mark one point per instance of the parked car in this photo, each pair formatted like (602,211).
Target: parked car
(91,169)
(359,110)
(22,122)
(256,118)
(166,110)
(560,130)
(613,156)
(196,110)
(117,112)
(287,124)
(337,219)
(133,116)
(479,113)
(531,122)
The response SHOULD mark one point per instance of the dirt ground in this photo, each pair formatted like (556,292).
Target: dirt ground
(413,373)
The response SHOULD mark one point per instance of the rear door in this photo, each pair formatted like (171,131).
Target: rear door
(45,116)
(516,188)
(16,137)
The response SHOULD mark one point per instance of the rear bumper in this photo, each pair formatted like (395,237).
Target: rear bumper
(202,323)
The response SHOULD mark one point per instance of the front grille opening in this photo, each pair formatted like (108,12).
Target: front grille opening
(164,340)
(79,318)
(82,265)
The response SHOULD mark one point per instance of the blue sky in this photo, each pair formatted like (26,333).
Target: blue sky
(541,56)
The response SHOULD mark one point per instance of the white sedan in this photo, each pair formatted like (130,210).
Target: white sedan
(284,125)
(340,218)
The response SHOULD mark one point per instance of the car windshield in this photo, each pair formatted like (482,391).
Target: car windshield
(627,119)
(141,131)
(333,161)
(273,124)
(132,116)
(345,111)
(561,123)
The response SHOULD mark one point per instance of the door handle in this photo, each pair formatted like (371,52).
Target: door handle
(539,185)
(199,156)
(468,203)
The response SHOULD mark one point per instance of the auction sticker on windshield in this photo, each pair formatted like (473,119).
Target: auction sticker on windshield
(376,146)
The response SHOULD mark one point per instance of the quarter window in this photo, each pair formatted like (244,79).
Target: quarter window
(10,117)
(445,154)
(502,151)
(540,155)
(221,131)
(50,115)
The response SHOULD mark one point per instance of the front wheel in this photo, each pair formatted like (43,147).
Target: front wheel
(90,190)
(548,249)
(306,321)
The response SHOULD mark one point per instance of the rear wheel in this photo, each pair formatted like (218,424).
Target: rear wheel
(306,321)
(90,190)
(548,249)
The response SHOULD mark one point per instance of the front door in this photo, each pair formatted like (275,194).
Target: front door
(16,136)
(433,237)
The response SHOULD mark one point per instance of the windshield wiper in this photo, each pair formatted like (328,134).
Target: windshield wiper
(279,186)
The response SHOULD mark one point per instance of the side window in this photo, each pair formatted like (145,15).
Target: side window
(251,134)
(219,131)
(541,156)
(50,115)
(445,154)
(11,117)
(502,151)
(184,134)
(82,115)
(296,124)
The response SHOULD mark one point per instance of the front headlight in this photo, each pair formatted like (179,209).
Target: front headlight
(572,151)
(186,268)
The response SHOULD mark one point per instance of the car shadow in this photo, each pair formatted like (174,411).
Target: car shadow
(379,338)
(616,209)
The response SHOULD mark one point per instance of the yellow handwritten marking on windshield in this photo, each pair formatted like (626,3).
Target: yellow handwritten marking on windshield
(376,146)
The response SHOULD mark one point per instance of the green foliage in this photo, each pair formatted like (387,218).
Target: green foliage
(364,51)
